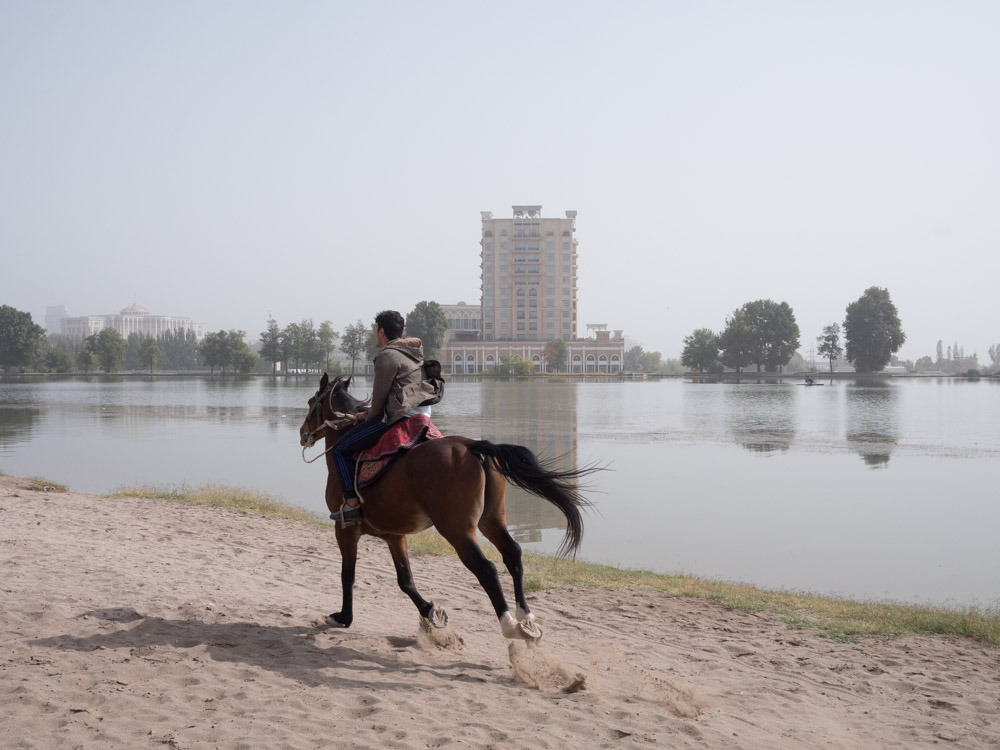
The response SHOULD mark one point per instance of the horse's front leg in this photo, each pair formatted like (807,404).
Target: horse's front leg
(404,577)
(347,540)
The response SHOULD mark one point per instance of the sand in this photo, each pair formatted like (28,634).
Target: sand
(142,623)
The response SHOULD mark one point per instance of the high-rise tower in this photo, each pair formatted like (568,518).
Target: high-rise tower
(528,276)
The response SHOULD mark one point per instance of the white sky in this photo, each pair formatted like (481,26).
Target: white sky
(328,160)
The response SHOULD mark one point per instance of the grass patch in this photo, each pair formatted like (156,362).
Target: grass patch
(841,619)
(221,496)
(37,484)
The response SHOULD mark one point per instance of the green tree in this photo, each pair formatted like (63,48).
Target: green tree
(133,354)
(180,349)
(371,342)
(327,338)
(427,322)
(57,360)
(736,342)
(774,334)
(110,347)
(20,338)
(352,343)
(555,354)
(872,330)
(829,343)
(633,359)
(291,345)
(238,353)
(86,358)
(701,350)
(150,353)
(270,344)
(214,351)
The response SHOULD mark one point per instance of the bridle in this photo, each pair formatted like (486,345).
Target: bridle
(340,419)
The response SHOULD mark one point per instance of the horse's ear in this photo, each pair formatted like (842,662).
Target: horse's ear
(324,382)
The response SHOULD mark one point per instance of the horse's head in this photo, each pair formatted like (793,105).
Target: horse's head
(327,408)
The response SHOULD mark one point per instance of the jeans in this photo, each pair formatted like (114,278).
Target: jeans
(357,439)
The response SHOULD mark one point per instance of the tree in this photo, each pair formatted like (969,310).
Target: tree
(829,343)
(213,350)
(110,348)
(632,361)
(701,350)
(20,337)
(872,330)
(555,355)
(238,353)
(352,343)
(735,341)
(270,344)
(150,353)
(326,338)
(924,364)
(86,359)
(774,334)
(427,322)
(180,349)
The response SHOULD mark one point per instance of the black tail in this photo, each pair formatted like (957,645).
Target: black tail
(520,466)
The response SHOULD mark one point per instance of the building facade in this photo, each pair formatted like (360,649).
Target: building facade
(133,319)
(529,297)
(529,275)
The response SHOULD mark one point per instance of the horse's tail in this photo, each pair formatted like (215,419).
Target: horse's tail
(520,466)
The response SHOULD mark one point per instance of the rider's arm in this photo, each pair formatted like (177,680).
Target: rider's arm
(385,372)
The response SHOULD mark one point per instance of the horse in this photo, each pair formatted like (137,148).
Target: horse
(453,483)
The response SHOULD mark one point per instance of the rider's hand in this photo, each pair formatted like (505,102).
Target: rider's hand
(360,416)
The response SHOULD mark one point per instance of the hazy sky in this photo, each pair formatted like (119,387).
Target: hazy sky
(328,160)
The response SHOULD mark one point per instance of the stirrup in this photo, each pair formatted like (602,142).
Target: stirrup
(348,515)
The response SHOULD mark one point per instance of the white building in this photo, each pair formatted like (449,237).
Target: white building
(133,319)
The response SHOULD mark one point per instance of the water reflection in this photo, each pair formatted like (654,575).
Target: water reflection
(761,418)
(543,417)
(17,425)
(873,421)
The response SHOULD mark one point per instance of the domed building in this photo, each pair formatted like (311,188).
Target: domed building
(132,319)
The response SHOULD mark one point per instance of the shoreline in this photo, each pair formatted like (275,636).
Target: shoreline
(139,622)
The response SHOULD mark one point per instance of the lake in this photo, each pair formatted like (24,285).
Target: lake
(881,489)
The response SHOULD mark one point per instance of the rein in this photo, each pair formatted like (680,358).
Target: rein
(341,420)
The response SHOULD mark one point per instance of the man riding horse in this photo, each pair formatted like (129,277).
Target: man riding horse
(401,390)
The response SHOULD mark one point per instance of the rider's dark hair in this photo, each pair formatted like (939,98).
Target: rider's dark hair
(391,322)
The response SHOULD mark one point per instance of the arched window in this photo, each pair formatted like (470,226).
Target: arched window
(616,363)
(532,293)
(591,363)
(520,292)
(457,367)
(503,232)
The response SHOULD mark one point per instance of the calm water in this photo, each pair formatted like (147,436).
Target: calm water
(871,490)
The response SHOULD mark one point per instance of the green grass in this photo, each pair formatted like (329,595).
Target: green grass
(38,484)
(221,496)
(842,619)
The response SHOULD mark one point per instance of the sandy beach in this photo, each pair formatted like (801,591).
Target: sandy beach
(146,623)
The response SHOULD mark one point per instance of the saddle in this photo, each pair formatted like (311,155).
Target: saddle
(373,462)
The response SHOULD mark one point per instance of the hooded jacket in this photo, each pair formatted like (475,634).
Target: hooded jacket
(400,383)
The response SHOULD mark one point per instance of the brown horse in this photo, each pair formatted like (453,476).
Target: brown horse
(454,484)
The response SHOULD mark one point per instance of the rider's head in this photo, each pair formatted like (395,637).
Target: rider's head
(391,323)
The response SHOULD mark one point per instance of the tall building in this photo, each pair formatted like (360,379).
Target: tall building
(133,319)
(529,295)
(529,276)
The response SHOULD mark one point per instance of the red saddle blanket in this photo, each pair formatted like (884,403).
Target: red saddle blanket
(403,435)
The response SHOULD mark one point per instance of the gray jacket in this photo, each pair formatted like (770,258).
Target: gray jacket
(400,383)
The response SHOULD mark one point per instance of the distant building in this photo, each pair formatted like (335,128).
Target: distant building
(133,319)
(54,315)
(529,297)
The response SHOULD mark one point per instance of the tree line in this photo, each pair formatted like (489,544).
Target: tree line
(764,334)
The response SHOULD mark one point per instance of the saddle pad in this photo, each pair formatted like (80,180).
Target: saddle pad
(403,435)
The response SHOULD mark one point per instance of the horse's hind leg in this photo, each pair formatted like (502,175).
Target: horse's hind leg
(496,531)
(472,556)
(404,576)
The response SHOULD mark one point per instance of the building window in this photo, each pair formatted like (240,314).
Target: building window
(532,314)
(532,302)
(565,326)
(489,326)
(565,291)
(520,314)
(520,326)
(550,313)
(504,313)
(488,246)
(565,279)
(503,233)
(549,326)
(550,267)
(565,313)
(565,256)
(503,326)
(550,245)
(503,245)
(504,302)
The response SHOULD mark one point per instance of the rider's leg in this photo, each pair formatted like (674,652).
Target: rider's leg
(358,438)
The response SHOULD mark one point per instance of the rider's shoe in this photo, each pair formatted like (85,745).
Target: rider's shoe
(348,514)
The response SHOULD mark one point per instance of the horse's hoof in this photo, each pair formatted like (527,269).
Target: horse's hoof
(522,631)
(338,620)
(437,617)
